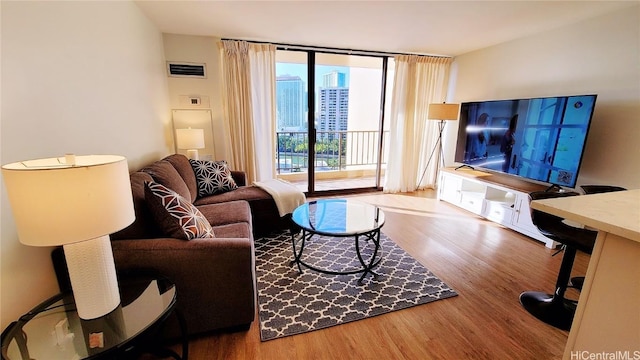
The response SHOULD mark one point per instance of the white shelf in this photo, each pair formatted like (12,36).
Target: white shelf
(473,194)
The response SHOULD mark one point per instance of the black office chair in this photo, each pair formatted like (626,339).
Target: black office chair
(554,309)
(597,189)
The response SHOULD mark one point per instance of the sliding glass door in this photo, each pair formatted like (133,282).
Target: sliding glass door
(330,128)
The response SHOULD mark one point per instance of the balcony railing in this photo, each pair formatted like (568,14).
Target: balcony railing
(335,150)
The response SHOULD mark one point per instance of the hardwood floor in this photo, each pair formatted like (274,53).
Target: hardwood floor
(487,265)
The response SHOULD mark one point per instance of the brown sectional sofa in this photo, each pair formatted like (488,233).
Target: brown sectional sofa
(214,277)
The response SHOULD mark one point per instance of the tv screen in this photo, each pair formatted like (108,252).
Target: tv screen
(541,139)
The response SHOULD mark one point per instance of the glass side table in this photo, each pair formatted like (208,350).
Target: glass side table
(53,329)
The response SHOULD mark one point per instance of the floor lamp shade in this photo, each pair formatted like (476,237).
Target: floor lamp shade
(75,201)
(444,111)
(190,140)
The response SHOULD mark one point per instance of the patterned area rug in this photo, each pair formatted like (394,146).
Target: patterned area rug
(291,303)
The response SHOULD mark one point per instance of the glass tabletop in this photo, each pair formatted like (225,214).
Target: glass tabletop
(53,330)
(338,217)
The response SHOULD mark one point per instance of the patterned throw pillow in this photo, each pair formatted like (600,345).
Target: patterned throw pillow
(176,216)
(213,177)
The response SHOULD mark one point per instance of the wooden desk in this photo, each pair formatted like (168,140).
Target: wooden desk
(608,314)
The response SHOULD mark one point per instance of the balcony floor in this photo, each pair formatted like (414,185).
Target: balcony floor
(337,184)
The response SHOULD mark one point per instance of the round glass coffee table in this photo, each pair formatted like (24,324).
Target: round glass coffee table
(339,218)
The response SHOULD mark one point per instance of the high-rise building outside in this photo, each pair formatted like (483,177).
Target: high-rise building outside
(334,79)
(333,101)
(334,109)
(290,104)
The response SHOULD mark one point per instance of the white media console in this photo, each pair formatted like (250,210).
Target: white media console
(500,198)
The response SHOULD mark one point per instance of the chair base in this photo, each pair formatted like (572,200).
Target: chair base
(554,311)
(577,282)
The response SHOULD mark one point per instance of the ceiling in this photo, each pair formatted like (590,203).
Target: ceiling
(424,27)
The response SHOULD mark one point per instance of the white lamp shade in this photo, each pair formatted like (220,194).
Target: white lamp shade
(444,111)
(189,139)
(57,203)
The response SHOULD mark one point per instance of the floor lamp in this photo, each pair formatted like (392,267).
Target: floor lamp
(75,201)
(440,112)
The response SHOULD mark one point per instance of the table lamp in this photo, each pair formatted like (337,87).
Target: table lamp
(190,140)
(440,112)
(75,201)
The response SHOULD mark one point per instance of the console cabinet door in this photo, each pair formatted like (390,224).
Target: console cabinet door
(450,187)
(522,214)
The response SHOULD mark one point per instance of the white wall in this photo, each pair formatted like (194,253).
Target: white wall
(199,49)
(81,77)
(598,56)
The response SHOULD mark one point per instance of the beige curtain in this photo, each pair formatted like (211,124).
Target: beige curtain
(418,81)
(248,100)
(262,59)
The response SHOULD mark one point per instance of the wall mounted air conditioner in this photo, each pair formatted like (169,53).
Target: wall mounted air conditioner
(185,69)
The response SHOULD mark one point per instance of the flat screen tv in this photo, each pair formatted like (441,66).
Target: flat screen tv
(541,139)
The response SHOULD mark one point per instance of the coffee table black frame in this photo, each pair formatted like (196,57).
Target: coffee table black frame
(135,292)
(366,230)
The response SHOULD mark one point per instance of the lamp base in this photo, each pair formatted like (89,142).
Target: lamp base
(193,154)
(440,154)
(93,277)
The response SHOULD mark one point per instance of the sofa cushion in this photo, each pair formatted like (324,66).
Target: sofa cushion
(183,166)
(176,216)
(248,193)
(230,212)
(240,177)
(143,227)
(265,217)
(212,177)
(165,174)
(234,230)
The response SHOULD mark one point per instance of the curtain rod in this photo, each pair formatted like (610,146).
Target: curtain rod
(336,50)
